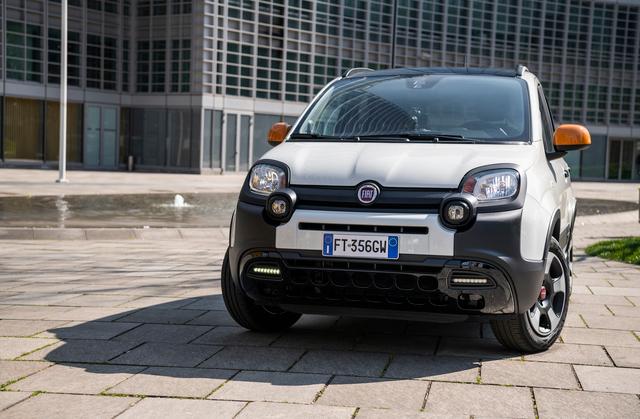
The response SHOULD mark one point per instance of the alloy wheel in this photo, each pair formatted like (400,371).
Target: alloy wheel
(546,313)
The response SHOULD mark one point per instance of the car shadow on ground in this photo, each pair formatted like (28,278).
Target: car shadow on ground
(195,338)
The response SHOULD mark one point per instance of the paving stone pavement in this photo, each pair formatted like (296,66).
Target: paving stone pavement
(138,328)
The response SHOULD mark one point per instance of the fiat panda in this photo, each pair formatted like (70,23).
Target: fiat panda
(431,194)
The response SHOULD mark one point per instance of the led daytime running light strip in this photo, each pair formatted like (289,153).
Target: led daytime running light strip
(265,270)
(469,281)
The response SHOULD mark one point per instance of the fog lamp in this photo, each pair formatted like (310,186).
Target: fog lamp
(456,212)
(279,207)
(280,204)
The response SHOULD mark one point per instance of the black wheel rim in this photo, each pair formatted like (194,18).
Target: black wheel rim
(545,314)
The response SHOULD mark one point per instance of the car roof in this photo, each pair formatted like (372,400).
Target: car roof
(501,72)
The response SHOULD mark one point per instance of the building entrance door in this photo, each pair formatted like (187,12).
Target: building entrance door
(623,156)
(101,137)
(238,142)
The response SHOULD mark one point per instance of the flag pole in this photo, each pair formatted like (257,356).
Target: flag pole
(62,155)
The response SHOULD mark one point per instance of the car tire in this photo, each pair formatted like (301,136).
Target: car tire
(538,328)
(246,312)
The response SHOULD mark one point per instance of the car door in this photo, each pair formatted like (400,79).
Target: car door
(561,171)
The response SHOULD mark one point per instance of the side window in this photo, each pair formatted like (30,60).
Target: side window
(547,121)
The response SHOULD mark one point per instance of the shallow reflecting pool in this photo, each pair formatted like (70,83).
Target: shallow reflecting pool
(163,210)
(153,210)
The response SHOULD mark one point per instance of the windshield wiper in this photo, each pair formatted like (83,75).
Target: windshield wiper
(413,136)
(314,136)
(399,137)
(305,136)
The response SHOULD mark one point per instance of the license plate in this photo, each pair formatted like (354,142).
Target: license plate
(360,246)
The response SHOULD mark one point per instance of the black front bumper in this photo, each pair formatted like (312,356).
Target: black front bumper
(412,287)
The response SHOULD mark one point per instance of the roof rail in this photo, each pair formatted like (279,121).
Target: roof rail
(354,71)
(521,69)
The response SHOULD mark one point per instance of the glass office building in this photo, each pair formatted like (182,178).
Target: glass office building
(194,85)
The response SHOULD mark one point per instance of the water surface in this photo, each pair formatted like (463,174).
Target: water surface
(158,210)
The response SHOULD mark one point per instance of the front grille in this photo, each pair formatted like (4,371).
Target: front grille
(363,228)
(390,199)
(382,285)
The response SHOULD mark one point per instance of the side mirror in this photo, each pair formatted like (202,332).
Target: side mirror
(278,133)
(569,137)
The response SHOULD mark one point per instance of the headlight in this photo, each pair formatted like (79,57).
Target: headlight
(265,179)
(492,185)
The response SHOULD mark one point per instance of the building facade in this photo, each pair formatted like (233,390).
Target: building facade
(194,86)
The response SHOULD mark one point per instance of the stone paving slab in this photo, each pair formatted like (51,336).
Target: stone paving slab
(610,300)
(572,354)
(9,398)
(24,328)
(625,291)
(530,374)
(153,408)
(367,413)
(11,348)
(439,368)
(624,357)
(375,392)
(368,364)
(237,336)
(599,337)
(162,315)
(97,300)
(479,348)
(254,358)
(38,298)
(421,345)
(167,354)
(89,330)
(168,333)
(489,401)
(173,382)
(64,406)
(259,410)
(613,323)
(626,311)
(76,378)
(80,350)
(308,340)
(214,318)
(13,370)
(605,379)
(272,387)
(563,404)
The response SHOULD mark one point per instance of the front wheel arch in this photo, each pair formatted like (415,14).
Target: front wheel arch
(517,333)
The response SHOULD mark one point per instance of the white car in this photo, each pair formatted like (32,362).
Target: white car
(432,194)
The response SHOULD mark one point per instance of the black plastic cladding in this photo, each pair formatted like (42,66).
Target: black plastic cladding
(410,286)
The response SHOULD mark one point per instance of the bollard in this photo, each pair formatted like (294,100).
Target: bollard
(130,163)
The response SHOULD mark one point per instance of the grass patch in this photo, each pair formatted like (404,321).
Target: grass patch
(624,250)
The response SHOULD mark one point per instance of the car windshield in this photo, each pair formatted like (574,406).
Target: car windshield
(449,106)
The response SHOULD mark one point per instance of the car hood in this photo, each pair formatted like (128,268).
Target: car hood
(433,165)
